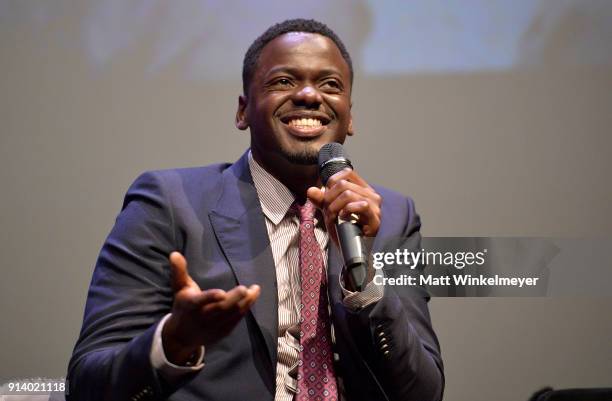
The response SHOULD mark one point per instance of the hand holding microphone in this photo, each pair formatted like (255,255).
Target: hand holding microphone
(346,196)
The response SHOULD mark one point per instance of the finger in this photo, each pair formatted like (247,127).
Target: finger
(192,299)
(345,185)
(235,302)
(346,174)
(252,294)
(180,277)
(243,305)
(232,297)
(211,296)
(361,208)
(343,199)
(316,196)
(238,300)
(369,216)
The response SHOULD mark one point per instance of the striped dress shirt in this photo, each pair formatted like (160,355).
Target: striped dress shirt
(283,231)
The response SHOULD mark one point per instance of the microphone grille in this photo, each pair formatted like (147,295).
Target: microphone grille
(329,151)
(329,167)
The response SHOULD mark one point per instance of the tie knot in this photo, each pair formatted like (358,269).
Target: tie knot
(305,211)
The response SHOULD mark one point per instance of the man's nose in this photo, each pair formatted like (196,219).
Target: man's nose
(307,95)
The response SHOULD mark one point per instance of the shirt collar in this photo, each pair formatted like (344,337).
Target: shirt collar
(274,196)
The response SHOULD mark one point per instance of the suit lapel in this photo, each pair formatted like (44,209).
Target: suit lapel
(239,225)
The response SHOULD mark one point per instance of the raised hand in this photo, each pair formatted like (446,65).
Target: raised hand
(200,317)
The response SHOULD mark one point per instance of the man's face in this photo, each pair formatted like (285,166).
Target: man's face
(298,99)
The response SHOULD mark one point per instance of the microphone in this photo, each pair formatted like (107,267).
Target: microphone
(332,159)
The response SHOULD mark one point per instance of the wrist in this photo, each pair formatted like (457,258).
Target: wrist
(176,351)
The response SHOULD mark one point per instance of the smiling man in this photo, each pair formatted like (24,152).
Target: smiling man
(297,97)
(225,282)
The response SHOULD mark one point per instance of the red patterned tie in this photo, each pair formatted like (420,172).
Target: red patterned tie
(316,378)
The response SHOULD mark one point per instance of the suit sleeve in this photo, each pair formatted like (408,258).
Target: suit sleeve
(395,334)
(129,294)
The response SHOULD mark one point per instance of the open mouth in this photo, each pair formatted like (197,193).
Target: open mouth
(306,126)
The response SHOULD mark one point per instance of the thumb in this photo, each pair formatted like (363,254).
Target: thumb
(180,277)
(316,196)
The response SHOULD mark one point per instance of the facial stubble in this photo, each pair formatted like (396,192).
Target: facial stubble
(305,155)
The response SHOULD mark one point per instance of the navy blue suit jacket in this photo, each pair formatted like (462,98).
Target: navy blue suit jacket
(388,350)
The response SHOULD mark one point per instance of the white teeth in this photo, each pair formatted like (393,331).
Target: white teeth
(305,122)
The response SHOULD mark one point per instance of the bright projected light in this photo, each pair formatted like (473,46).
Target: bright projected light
(387,37)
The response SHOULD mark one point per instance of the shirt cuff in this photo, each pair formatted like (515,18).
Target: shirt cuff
(167,369)
(371,293)
(357,300)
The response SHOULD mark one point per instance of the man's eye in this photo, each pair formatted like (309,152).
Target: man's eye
(283,82)
(332,84)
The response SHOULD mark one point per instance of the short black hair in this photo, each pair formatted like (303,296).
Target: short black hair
(291,25)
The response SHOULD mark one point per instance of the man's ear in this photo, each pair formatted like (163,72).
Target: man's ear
(351,131)
(242,122)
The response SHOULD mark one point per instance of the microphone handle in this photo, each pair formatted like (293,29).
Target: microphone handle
(349,236)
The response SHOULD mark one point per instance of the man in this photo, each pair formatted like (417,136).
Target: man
(213,283)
